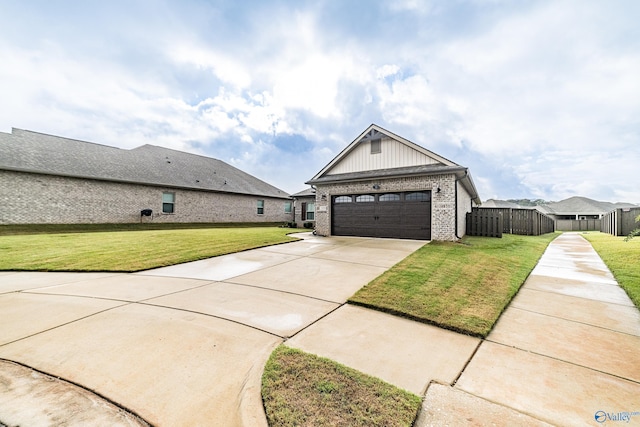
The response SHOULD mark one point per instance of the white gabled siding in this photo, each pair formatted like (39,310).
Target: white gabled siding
(393,154)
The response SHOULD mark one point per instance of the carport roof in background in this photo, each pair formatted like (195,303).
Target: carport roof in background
(33,152)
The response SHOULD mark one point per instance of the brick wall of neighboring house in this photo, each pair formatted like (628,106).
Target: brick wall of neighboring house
(443,204)
(298,210)
(27,198)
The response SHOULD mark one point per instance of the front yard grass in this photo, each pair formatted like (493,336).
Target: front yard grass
(459,286)
(301,389)
(127,251)
(622,258)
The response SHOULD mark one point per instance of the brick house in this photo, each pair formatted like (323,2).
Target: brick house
(50,179)
(382,185)
(304,208)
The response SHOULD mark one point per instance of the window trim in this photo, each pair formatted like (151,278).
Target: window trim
(365,198)
(389,197)
(311,212)
(171,204)
(426,196)
(343,199)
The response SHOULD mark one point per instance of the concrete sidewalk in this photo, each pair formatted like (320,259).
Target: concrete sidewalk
(186,345)
(566,351)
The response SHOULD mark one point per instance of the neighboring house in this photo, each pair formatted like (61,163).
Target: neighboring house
(580,208)
(382,185)
(304,208)
(50,179)
(500,204)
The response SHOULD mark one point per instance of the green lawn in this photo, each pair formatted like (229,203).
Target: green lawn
(622,258)
(125,251)
(460,286)
(301,389)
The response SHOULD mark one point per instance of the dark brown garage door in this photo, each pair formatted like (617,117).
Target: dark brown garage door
(398,215)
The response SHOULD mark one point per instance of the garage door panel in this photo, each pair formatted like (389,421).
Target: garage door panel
(388,215)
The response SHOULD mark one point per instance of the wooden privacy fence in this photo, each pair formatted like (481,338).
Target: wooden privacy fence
(620,222)
(487,224)
(578,224)
(526,222)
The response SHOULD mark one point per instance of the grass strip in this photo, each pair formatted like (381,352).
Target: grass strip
(622,258)
(301,389)
(127,251)
(14,229)
(461,286)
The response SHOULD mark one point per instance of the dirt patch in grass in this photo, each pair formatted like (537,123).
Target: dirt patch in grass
(301,389)
(460,286)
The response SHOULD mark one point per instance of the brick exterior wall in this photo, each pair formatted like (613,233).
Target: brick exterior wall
(27,198)
(298,210)
(443,204)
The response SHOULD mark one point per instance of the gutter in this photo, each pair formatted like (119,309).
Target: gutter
(456,203)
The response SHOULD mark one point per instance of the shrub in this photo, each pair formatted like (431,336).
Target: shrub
(633,233)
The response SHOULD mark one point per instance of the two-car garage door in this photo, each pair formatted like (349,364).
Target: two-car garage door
(398,215)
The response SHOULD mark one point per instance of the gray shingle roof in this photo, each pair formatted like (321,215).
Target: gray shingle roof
(583,205)
(309,192)
(34,152)
(494,203)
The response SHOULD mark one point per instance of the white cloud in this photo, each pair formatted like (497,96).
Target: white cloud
(225,68)
(522,86)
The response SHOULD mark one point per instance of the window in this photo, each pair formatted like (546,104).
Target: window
(389,197)
(168,202)
(287,207)
(421,196)
(365,198)
(342,199)
(311,212)
(260,207)
(376,146)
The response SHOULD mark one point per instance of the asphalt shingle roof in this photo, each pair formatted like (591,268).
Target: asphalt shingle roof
(584,205)
(34,152)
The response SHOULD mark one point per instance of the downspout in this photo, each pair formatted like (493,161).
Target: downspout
(466,172)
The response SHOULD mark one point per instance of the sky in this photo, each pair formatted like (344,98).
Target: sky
(539,99)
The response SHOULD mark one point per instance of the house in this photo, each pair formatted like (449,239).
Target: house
(304,210)
(580,208)
(500,204)
(51,179)
(382,185)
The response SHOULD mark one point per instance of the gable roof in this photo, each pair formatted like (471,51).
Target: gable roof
(308,192)
(27,151)
(425,163)
(372,132)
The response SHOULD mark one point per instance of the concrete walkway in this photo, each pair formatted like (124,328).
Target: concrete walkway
(566,351)
(186,345)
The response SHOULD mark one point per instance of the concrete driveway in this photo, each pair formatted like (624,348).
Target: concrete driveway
(186,345)
(181,345)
